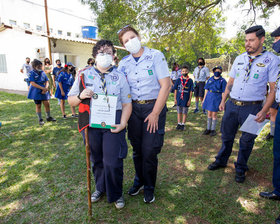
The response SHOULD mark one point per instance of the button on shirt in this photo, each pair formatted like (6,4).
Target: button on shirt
(116,84)
(143,76)
(264,69)
(202,75)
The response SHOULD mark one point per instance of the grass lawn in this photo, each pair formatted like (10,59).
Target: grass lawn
(43,175)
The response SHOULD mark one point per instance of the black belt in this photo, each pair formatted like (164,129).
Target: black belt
(244,103)
(143,101)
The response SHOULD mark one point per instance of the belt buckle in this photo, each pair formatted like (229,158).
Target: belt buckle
(141,101)
(239,103)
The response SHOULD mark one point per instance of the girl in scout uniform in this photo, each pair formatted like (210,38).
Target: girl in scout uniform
(214,89)
(65,81)
(108,146)
(147,74)
(39,90)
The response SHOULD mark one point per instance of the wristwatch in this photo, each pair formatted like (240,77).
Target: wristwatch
(79,96)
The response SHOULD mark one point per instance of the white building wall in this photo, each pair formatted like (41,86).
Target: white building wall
(17,46)
(77,53)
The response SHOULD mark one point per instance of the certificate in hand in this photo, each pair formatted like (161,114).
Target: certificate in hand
(103,111)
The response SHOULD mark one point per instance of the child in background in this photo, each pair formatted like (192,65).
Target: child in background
(183,89)
(214,89)
(39,90)
(65,82)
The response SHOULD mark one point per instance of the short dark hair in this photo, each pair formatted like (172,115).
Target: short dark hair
(185,66)
(27,58)
(124,30)
(89,60)
(202,59)
(36,63)
(57,60)
(259,30)
(100,44)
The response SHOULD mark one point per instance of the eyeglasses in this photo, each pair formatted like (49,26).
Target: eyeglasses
(123,28)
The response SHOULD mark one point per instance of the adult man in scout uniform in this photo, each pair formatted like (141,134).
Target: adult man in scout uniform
(246,89)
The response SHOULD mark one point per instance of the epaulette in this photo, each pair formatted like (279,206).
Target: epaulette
(85,68)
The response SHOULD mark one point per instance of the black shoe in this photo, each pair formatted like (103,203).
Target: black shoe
(215,166)
(277,221)
(206,132)
(268,137)
(182,127)
(204,111)
(196,111)
(240,177)
(134,190)
(178,127)
(270,195)
(51,119)
(149,197)
(41,122)
(213,133)
(64,116)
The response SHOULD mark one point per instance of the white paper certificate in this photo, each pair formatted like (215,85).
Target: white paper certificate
(251,126)
(102,111)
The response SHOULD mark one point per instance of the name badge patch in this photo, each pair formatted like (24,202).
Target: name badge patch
(150,72)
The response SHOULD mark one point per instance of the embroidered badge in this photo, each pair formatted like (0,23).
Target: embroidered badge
(237,75)
(115,78)
(114,83)
(150,72)
(261,65)
(95,96)
(89,84)
(103,124)
(240,63)
(128,96)
(256,76)
(91,77)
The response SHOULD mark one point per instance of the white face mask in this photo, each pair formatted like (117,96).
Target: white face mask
(133,45)
(104,60)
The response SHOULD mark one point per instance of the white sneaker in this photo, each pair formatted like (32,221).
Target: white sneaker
(120,203)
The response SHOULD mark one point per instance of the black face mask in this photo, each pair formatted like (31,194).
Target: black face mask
(200,63)
(185,75)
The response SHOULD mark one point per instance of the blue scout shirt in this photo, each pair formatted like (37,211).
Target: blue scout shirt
(143,76)
(216,85)
(116,84)
(40,78)
(187,90)
(202,75)
(55,72)
(264,69)
(66,80)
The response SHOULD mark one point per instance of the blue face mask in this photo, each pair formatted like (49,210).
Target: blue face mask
(59,64)
(276,46)
(217,74)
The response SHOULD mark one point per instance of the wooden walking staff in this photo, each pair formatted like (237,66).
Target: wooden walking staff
(83,124)
(88,173)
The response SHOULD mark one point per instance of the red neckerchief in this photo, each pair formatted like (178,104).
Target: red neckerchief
(183,86)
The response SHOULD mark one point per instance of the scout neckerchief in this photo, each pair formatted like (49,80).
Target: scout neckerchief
(183,86)
(251,60)
(199,70)
(84,106)
(278,78)
(103,82)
